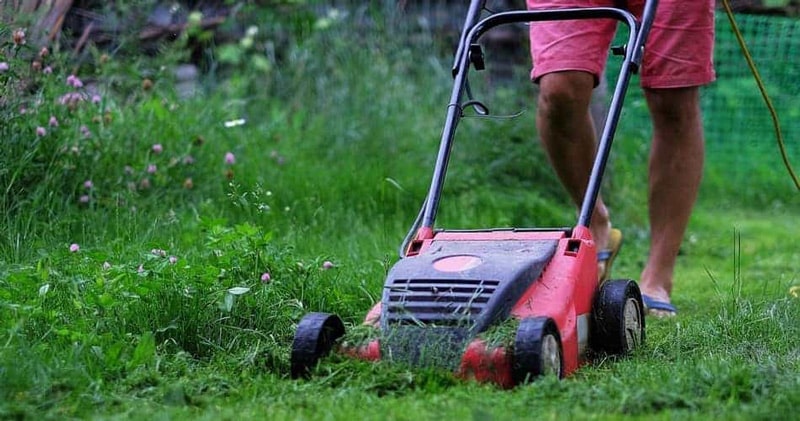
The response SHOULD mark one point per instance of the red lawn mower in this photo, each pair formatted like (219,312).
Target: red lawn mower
(453,292)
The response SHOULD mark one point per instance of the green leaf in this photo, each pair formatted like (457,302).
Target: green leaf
(227,303)
(144,352)
(238,290)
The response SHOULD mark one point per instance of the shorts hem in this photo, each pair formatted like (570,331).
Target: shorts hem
(538,72)
(680,81)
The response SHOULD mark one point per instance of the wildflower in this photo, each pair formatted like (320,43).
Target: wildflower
(173,260)
(73,81)
(152,168)
(188,183)
(140,269)
(84,199)
(36,65)
(85,131)
(327,265)
(96,99)
(157,148)
(40,131)
(44,52)
(265,278)
(18,37)
(230,158)
(188,160)
(144,184)
(53,121)
(47,70)
(70,99)
(106,266)
(234,123)
(158,252)
(4,67)
(74,247)
(128,170)
(88,184)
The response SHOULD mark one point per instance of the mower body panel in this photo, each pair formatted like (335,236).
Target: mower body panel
(437,303)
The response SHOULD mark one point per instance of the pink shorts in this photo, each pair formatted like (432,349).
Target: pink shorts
(679,51)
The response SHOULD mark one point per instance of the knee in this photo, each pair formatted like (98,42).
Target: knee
(565,93)
(674,105)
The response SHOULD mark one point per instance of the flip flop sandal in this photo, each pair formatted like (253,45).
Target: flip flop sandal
(662,308)
(607,256)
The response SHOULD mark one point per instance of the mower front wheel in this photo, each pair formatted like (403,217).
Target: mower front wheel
(618,325)
(315,337)
(537,350)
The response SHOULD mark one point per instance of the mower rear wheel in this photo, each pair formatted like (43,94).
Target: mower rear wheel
(618,325)
(537,350)
(315,336)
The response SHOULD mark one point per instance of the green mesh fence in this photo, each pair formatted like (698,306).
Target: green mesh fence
(742,152)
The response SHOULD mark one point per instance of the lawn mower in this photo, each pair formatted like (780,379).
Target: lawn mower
(503,305)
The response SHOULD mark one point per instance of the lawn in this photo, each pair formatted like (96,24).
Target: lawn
(158,251)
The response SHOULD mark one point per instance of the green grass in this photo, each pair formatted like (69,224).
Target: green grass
(331,165)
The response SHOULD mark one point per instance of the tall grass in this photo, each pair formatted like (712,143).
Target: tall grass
(181,293)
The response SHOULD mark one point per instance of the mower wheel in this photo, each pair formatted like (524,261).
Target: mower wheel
(315,336)
(618,318)
(537,350)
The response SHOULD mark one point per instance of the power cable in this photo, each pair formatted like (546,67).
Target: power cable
(750,63)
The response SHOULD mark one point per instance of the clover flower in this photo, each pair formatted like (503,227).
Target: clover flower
(19,37)
(73,81)
(230,158)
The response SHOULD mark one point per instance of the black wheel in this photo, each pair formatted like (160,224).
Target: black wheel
(617,318)
(537,350)
(316,334)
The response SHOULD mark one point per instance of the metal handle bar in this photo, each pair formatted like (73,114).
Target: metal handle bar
(633,55)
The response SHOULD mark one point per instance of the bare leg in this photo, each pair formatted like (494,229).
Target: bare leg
(676,167)
(568,136)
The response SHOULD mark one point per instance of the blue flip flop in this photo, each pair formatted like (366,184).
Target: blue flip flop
(653,304)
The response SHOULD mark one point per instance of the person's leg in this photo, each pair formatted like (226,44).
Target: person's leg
(567,134)
(678,60)
(676,167)
(568,60)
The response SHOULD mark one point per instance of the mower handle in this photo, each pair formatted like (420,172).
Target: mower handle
(473,29)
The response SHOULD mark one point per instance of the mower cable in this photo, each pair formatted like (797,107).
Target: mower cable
(751,64)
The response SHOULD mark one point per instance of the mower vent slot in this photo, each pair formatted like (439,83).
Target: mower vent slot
(455,302)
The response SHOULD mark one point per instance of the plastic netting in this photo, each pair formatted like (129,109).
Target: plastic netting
(741,145)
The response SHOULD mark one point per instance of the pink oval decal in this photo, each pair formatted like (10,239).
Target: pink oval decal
(457,263)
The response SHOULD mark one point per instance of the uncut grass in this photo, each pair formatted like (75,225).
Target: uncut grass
(357,153)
